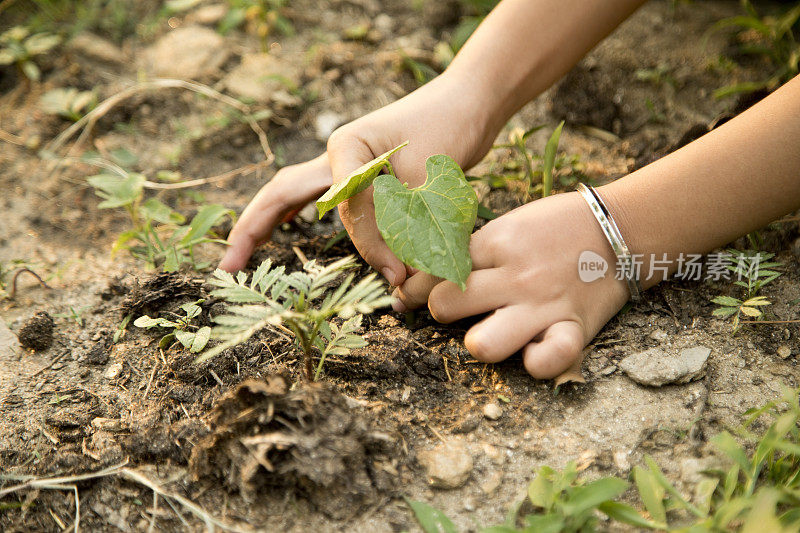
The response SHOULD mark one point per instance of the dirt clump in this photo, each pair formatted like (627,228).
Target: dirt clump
(37,332)
(160,290)
(311,440)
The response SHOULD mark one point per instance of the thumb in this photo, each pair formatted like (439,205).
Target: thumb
(346,153)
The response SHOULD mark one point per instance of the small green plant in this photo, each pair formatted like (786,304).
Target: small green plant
(159,235)
(427,227)
(261,17)
(305,302)
(182,330)
(69,103)
(18,47)
(759,492)
(753,271)
(766,36)
(74,314)
(536,171)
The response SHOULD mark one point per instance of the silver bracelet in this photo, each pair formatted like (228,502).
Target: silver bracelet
(614,236)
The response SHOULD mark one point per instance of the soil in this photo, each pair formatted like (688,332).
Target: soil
(242,436)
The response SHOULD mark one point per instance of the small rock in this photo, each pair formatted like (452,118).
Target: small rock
(448,465)
(37,332)
(114,371)
(607,371)
(98,353)
(784,352)
(208,15)
(326,122)
(492,483)
(655,367)
(263,78)
(494,453)
(97,48)
(622,460)
(492,411)
(188,52)
(658,335)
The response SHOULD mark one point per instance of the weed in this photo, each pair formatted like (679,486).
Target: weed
(69,103)
(759,492)
(19,48)
(182,330)
(753,271)
(769,37)
(536,171)
(261,17)
(658,75)
(159,235)
(304,302)
(74,314)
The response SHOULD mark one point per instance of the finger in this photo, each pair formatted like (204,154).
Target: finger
(291,189)
(413,293)
(486,291)
(483,248)
(504,332)
(348,152)
(559,348)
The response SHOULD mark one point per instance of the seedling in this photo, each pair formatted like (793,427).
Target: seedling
(158,235)
(770,37)
(427,227)
(69,103)
(74,314)
(261,17)
(18,47)
(753,271)
(304,302)
(529,167)
(182,330)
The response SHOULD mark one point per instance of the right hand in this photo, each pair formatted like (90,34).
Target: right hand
(442,117)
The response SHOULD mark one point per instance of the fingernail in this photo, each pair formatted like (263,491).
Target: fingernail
(389,275)
(398,306)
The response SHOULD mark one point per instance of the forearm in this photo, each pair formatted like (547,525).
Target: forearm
(524,46)
(734,180)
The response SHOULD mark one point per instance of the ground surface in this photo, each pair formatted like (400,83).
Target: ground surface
(355,444)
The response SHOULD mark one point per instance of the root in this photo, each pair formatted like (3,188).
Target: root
(16,275)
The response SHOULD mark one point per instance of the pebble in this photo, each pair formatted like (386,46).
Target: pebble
(263,78)
(492,411)
(658,335)
(492,483)
(448,465)
(784,352)
(622,460)
(208,15)
(97,48)
(188,52)
(114,371)
(656,367)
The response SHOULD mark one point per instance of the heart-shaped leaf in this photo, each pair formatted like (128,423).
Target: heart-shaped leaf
(355,182)
(429,227)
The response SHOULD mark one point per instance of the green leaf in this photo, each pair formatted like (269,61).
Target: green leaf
(430,519)
(725,311)
(486,213)
(31,71)
(548,523)
(651,492)
(200,339)
(627,515)
(727,301)
(593,494)
(549,162)
(429,227)
(355,182)
(155,209)
(205,219)
(117,191)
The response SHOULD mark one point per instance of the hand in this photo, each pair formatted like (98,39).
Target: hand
(278,201)
(525,273)
(442,117)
